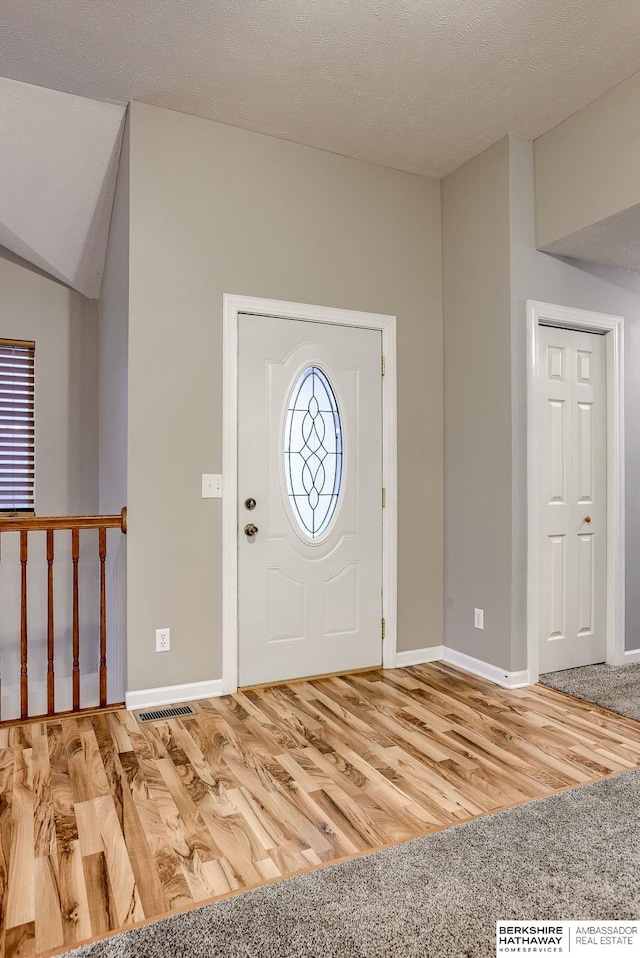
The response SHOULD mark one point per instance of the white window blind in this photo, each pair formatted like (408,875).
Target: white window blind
(17,426)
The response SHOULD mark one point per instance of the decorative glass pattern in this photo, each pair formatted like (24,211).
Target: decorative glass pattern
(313,451)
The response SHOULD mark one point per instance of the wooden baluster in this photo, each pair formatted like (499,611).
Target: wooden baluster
(24,673)
(102,552)
(74,524)
(75,555)
(51,679)
(0,667)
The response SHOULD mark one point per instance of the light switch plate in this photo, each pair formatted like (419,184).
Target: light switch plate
(211,486)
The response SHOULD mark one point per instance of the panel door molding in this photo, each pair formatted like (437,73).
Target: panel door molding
(310,455)
(573,498)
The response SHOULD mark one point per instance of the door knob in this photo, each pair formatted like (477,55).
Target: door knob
(587,518)
(250,530)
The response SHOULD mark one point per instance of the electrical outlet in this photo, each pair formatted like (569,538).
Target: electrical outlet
(211,486)
(478,618)
(163,640)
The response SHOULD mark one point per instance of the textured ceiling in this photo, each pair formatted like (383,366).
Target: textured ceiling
(614,241)
(419,85)
(58,166)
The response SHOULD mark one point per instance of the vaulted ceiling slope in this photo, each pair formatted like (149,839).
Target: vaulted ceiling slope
(614,241)
(58,164)
(419,86)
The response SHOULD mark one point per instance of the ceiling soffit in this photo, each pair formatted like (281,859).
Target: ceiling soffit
(58,170)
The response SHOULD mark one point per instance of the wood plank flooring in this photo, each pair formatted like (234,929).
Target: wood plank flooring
(105,823)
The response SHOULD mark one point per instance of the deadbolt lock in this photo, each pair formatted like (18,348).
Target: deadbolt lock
(250,530)
(250,504)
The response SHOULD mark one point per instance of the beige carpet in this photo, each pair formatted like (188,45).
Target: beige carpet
(616,688)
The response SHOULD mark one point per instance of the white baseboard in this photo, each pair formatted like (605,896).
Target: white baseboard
(633,655)
(508,680)
(520,680)
(441,653)
(170,694)
(419,656)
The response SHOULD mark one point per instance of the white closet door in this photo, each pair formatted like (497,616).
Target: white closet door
(573,535)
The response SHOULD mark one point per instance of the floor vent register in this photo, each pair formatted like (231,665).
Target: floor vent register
(174,712)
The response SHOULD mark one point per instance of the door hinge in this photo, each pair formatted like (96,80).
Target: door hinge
(383,366)
(384,497)
(383,628)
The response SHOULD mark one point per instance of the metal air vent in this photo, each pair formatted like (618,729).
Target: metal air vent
(173,712)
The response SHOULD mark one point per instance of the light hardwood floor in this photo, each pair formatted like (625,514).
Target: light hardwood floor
(104,823)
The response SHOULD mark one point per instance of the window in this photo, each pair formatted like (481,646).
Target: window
(17,427)
(313,451)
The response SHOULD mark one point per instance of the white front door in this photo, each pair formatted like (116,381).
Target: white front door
(573,473)
(310,498)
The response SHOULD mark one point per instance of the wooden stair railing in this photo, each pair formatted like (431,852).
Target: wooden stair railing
(73,524)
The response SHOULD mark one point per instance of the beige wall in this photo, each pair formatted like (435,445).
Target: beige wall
(113,348)
(490,269)
(586,168)
(536,275)
(113,402)
(216,209)
(64,326)
(477,405)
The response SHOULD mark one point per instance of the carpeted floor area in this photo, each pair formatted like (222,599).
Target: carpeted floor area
(571,856)
(616,688)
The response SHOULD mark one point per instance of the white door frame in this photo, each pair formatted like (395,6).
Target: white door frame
(613,326)
(232,307)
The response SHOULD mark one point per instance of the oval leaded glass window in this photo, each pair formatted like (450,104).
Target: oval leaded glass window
(313,451)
